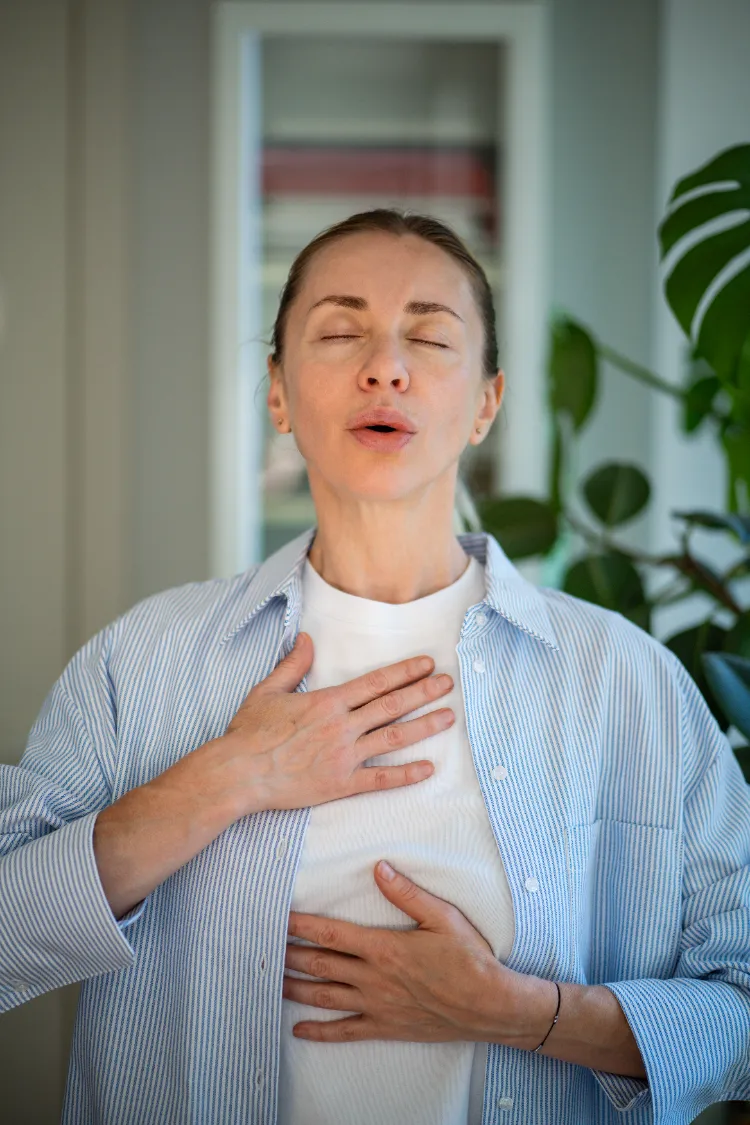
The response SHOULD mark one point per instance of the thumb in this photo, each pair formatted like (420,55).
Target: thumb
(415,901)
(289,671)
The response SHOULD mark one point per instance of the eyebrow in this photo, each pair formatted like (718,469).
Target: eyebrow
(418,308)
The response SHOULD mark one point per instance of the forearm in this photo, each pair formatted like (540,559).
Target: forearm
(591,1028)
(153,830)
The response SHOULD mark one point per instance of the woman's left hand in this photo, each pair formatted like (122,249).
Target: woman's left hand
(431,984)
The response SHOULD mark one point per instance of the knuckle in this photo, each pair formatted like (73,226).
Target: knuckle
(327,705)
(327,935)
(348,1031)
(376,680)
(392,703)
(384,955)
(322,997)
(325,708)
(394,735)
(410,891)
(319,967)
(380,779)
(332,728)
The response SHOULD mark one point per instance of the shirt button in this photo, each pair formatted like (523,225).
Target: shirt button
(478,665)
(480,618)
(19,985)
(281,849)
(532,883)
(500,773)
(505,1103)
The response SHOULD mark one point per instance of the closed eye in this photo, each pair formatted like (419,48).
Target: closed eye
(342,336)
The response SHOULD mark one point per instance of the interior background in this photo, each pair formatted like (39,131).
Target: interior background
(104,307)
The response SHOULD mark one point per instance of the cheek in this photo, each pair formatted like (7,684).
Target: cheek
(313,408)
(453,403)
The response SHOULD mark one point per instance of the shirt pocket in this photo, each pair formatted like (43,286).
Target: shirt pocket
(625,895)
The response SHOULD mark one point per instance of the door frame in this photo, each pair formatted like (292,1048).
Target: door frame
(238,27)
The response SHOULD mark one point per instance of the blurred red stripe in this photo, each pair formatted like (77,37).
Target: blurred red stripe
(379,171)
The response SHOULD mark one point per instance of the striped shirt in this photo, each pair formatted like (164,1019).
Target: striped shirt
(618,807)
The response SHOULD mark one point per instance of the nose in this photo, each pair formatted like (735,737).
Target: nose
(384,367)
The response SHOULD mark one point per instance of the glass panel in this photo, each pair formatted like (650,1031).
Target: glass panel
(350,124)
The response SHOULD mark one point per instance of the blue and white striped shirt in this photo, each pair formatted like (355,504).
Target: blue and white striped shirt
(619,795)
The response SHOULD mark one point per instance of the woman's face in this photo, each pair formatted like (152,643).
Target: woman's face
(365,331)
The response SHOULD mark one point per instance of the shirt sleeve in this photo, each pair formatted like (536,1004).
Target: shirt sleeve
(693,1030)
(56,925)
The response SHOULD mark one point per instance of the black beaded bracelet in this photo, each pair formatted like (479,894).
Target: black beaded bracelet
(557,986)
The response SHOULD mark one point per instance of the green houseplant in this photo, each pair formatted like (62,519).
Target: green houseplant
(707,288)
(710,298)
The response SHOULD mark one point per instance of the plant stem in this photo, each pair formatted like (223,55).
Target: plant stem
(737,570)
(638,372)
(685,564)
(671,593)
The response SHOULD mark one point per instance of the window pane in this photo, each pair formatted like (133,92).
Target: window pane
(351,124)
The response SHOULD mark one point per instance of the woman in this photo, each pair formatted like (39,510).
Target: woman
(195,827)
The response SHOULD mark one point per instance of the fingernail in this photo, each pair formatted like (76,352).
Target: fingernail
(386,870)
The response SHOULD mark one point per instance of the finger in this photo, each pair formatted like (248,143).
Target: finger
(398,735)
(339,967)
(400,702)
(322,994)
(371,779)
(350,1030)
(330,933)
(363,689)
(418,903)
(289,671)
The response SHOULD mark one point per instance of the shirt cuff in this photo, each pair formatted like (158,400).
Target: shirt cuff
(693,1036)
(623,1091)
(56,925)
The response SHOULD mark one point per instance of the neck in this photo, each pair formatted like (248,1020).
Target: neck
(387,552)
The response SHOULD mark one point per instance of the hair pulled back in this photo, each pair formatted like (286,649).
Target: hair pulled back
(392,221)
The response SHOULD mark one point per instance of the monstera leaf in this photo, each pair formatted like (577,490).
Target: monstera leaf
(616,492)
(572,371)
(720,189)
(522,525)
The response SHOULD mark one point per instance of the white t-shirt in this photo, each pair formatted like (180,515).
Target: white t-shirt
(436,832)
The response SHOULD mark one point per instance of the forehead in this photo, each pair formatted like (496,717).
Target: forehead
(386,268)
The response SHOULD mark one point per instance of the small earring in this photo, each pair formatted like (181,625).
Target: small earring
(478,430)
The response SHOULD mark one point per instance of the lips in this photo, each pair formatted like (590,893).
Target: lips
(382,419)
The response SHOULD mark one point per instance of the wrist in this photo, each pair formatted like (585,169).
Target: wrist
(533,1012)
(229,778)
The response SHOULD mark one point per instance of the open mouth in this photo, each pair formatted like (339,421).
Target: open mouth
(382,437)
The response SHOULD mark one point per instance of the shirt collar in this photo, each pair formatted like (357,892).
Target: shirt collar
(507,591)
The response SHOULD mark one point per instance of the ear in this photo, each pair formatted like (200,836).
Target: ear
(492,396)
(276,397)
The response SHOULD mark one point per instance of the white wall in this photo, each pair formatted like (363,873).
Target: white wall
(33,492)
(33,450)
(603,235)
(169,293)
(64,506)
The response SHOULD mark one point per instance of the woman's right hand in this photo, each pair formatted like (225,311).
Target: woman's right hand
(291,749)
